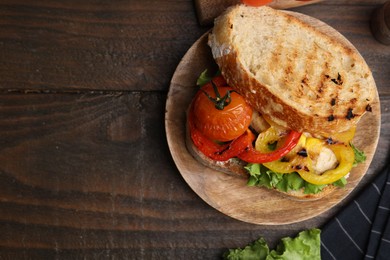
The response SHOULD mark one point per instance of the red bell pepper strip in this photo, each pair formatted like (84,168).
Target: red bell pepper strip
(251,155)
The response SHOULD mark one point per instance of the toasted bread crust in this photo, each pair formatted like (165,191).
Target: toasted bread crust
(299,77)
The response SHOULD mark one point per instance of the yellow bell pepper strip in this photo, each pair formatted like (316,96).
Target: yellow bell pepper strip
(343,137)
(345,157)
(265,138)
(291,162)
(300,159)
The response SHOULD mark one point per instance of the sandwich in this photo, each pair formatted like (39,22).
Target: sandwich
(283,109)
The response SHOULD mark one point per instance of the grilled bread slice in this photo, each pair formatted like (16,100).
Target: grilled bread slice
(298,76)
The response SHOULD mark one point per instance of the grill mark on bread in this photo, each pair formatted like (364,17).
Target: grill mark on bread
(311,82)
(275,62)
(350,114)
(290,69)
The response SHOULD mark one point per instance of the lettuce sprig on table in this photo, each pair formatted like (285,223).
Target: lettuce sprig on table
(306,246)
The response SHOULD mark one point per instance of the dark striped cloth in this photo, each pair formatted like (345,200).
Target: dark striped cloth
(362,229)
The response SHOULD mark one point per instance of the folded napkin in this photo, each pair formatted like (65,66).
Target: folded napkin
(362,229)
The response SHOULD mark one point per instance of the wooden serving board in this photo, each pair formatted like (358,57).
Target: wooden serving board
(231,195)
(207,10)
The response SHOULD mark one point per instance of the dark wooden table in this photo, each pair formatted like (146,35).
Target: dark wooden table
(85,169)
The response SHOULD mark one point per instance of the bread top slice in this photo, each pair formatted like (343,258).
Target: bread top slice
(298,76)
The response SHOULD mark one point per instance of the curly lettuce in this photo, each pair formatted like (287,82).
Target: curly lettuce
(306,246)
(262,176)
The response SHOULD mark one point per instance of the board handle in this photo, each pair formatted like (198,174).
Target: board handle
(208,10)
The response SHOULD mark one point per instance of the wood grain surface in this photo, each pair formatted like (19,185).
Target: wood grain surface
(229,194)
(208,10)
(85,168)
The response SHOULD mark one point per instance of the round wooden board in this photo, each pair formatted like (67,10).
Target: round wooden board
(231,195)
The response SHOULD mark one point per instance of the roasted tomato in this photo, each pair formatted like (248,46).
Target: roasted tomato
(220,113)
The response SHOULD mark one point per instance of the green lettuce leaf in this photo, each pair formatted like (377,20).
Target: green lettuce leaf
(307,245)
(290,181)
(313,188)
(256,250)
(341,182)
(203,78)
(259,175)
(360,156)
